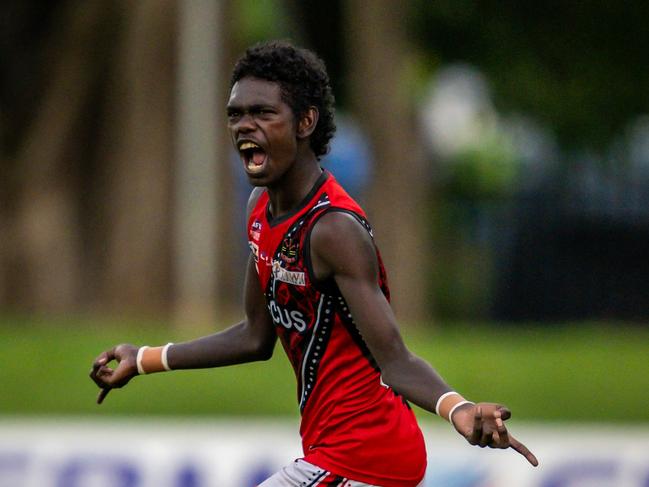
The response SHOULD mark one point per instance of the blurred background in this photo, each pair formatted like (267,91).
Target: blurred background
(501,150)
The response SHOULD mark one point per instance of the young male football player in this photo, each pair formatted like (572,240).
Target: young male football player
(316,281)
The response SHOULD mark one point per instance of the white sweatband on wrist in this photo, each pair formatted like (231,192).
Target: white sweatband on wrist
(441,398)
(138,361)
(163,357)
(152,359)
(450,413)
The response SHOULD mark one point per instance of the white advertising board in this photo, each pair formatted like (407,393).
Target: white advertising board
(240,453)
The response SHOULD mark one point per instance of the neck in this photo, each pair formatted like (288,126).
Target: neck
(293,187)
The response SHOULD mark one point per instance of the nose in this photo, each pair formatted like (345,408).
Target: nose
(244,124)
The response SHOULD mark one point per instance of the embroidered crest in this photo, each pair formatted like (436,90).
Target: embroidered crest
(289,251)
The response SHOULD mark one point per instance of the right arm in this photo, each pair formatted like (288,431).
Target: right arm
(250,340)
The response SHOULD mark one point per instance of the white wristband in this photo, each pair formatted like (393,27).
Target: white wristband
(165,363)
(138,361)
(441,398)
(450,414)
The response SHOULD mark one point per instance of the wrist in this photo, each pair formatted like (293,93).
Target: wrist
(152,359)
(458,408)
(448,403)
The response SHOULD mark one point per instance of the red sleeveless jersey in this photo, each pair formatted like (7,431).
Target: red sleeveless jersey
(352,424)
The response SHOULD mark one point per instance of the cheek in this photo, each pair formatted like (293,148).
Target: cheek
(285,140)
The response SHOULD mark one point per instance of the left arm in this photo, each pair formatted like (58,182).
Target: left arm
(341,248)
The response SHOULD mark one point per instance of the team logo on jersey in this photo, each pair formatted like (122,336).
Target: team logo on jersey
(255,230)
(290,277)
(289,251)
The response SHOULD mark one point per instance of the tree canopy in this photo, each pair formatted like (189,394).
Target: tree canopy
(578,67)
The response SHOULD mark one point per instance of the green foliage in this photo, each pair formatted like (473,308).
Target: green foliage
(579,67)
(487,171)
(577,373)
(260,20)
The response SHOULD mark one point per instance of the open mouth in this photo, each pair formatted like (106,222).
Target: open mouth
(253,156)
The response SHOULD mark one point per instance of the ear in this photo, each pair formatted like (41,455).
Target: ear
(307,123)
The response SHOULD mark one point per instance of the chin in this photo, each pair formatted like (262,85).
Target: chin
(257,180)
(257,183)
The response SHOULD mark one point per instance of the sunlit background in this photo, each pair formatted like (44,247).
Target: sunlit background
(501,150)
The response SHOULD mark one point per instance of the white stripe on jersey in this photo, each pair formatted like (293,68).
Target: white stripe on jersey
(314,332)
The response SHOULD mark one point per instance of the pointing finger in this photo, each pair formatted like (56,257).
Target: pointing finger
(102,394)
(522,449)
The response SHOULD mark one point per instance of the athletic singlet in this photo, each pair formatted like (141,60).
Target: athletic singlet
(352,424)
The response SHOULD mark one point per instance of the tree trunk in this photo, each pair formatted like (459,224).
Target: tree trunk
(138,154)
(44,255)
(203,184)
(377,52)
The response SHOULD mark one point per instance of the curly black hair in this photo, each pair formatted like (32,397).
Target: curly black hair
(303,80)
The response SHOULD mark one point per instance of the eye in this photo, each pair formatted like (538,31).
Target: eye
(265,112)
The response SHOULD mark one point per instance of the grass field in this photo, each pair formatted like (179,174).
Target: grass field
(585,372)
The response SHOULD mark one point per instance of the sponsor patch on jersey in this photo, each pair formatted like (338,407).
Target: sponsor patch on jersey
(290,277)
(289,319)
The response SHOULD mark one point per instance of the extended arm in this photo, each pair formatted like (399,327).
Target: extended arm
(341,248)
(250,340)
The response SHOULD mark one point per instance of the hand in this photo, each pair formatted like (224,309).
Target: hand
(483,424)
(107,378)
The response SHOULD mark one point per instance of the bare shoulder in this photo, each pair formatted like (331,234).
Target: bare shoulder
(340,244)
(339,228)
(255,194)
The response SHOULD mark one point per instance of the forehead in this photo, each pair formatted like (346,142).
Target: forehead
(253,91)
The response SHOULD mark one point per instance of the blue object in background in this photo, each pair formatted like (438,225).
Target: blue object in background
(349,158)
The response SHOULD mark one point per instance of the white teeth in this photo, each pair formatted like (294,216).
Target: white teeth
(253,168)
(248,145)
(249,159)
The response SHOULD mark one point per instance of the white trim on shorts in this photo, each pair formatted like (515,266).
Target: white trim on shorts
(301,473)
